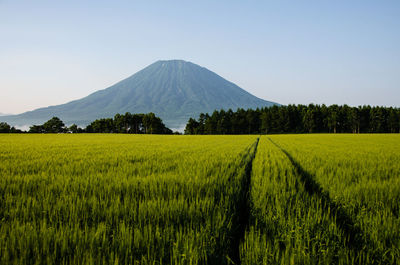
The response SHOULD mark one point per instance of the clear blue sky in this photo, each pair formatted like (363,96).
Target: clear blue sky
(298,52)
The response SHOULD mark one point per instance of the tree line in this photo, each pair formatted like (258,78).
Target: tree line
(129,123)
(121,123)
(298,119)
(6,128)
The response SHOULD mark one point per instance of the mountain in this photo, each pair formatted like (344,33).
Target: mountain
(174,90)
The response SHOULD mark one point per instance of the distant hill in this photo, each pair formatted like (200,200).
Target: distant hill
(174,90)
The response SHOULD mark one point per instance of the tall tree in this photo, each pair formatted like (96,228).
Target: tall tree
(309,119)
(4,127)
(54,125)
(73,128)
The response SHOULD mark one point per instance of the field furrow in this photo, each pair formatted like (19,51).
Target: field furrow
(359,178)
(288,223)
(354,238)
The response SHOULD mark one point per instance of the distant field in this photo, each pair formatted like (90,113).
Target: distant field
(144,199)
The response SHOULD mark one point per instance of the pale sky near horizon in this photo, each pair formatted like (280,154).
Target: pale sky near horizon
(301,52)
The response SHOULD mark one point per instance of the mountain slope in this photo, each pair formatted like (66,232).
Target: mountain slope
(174,90)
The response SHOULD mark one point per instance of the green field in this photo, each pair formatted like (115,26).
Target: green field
(144,199)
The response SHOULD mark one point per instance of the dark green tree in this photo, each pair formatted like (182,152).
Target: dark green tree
(36,129)
(309,120)
(102,126)
(5,127)
(394,120)
(73,128)
(54,125)
(298,119)
(192,126)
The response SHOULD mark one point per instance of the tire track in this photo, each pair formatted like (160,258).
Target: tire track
(356,239)
(242,216)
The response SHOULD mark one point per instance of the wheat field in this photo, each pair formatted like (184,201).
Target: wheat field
(145,199)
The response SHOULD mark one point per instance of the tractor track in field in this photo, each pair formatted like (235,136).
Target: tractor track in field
(357,240)
(243,211)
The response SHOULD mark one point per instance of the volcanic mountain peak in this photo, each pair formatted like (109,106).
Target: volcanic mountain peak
(175,90)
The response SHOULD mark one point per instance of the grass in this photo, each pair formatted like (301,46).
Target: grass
(107,199)
(361,175)
(288,224)
(144,199)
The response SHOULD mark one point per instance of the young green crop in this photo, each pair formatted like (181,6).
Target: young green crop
(288,224)
(127,199)
(361,174)
(145,199)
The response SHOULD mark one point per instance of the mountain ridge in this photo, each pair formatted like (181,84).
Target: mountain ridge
(175,90)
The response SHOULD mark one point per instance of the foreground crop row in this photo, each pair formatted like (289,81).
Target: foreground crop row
(142,199)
